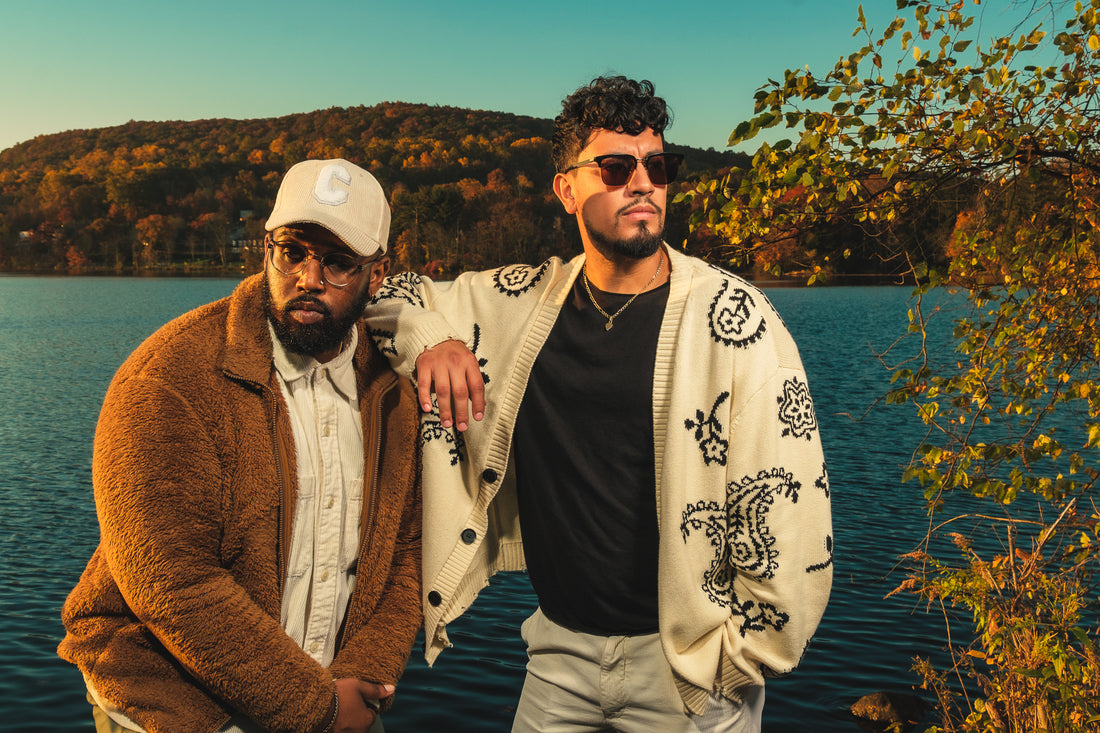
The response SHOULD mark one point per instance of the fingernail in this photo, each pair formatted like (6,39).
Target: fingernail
(446,423)
(426,407)
(389,689)
(478,415)
(462,426)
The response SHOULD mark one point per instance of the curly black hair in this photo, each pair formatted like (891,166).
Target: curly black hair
(608,103)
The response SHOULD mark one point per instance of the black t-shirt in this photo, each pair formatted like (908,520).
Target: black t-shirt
(584,466)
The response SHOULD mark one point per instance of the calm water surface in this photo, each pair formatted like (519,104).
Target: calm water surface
(61,340)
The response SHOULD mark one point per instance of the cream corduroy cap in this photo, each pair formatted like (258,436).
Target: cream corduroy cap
(338,195)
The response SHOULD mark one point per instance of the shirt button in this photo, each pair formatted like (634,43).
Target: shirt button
(434,598)
(331,501)
(313,647)
(325,431)
(324,576)
(468,536)
(489,476)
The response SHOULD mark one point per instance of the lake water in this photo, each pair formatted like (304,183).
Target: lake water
(62,338)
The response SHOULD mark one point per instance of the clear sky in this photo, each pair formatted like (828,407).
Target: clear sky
(74,64)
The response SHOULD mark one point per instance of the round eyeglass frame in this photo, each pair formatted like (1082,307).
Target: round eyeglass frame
(325,275)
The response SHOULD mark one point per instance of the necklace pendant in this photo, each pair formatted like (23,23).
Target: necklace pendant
(608,325)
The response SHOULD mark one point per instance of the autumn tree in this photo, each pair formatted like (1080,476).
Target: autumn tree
(156,239)
(210,228)
(1006,130)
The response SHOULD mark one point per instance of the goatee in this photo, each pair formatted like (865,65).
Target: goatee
(311,339)
(638,247)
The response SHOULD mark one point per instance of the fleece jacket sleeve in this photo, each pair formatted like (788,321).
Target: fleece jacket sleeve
(159,494)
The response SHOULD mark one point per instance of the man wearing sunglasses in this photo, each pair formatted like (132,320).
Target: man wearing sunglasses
(257,484)
(644,417)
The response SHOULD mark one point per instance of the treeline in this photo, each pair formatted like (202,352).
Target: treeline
(468,189)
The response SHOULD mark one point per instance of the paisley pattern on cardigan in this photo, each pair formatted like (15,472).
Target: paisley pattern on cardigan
(735,319)
(796,409)
(482,362)
(515,280)
(432,430)
(384,341)
(709,433)
(401,287)
(828,561)
(742,542)
(404,287)
(822,481)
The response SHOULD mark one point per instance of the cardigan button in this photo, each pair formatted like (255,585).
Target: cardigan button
(489,476)
(468,536)
(434,598)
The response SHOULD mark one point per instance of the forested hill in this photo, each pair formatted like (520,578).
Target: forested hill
(468,188)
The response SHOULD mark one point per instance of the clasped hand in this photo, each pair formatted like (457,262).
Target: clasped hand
(358,704)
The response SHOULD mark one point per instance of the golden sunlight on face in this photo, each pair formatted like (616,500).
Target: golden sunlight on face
(615,213)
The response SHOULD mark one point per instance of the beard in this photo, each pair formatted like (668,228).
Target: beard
(311,339)
(642,244)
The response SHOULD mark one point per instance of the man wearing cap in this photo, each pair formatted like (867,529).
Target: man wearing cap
(257,488)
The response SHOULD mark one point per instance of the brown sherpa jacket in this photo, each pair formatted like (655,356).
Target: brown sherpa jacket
(176,617)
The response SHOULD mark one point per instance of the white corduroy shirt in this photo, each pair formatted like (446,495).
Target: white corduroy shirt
(324,545)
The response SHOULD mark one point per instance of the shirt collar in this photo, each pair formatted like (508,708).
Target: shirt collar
(292,367)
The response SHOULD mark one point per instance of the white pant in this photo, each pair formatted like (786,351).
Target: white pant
(579,682)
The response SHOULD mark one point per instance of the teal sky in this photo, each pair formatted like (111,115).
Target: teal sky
(74,64)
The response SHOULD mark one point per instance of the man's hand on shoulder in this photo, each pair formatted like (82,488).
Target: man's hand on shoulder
(450,370)
(358,702)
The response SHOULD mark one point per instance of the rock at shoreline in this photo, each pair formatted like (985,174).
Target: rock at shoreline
(875,713)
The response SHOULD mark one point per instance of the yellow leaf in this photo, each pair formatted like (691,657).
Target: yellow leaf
(1094,42)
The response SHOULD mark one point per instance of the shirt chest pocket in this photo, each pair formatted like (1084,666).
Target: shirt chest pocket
(327,525)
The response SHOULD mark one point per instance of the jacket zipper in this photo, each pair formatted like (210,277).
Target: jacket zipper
(280,478)
(368,525)
(280,537)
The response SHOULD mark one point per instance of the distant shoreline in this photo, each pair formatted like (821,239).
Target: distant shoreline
(178,271)
(764,281)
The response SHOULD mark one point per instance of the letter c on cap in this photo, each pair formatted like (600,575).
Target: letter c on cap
(326,190)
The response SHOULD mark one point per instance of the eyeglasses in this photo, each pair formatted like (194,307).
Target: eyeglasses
(337,269)
(616,169)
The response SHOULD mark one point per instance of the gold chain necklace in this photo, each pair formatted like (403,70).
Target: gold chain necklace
(611,318)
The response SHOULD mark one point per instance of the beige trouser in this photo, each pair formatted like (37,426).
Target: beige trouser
(579,682)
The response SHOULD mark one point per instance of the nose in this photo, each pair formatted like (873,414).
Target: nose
(311,278)
(639,182)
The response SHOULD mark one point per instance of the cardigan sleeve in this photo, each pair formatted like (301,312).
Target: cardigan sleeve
(745,554)
(411,313)
(778,513)
(404,321)
(780,527)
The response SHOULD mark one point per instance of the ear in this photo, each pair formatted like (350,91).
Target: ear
(378,272)
(563,188)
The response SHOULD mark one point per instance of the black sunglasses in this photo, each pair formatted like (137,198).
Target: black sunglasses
(616,169)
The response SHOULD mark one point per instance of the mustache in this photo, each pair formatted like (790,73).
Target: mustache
(638,201)
(314,302)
